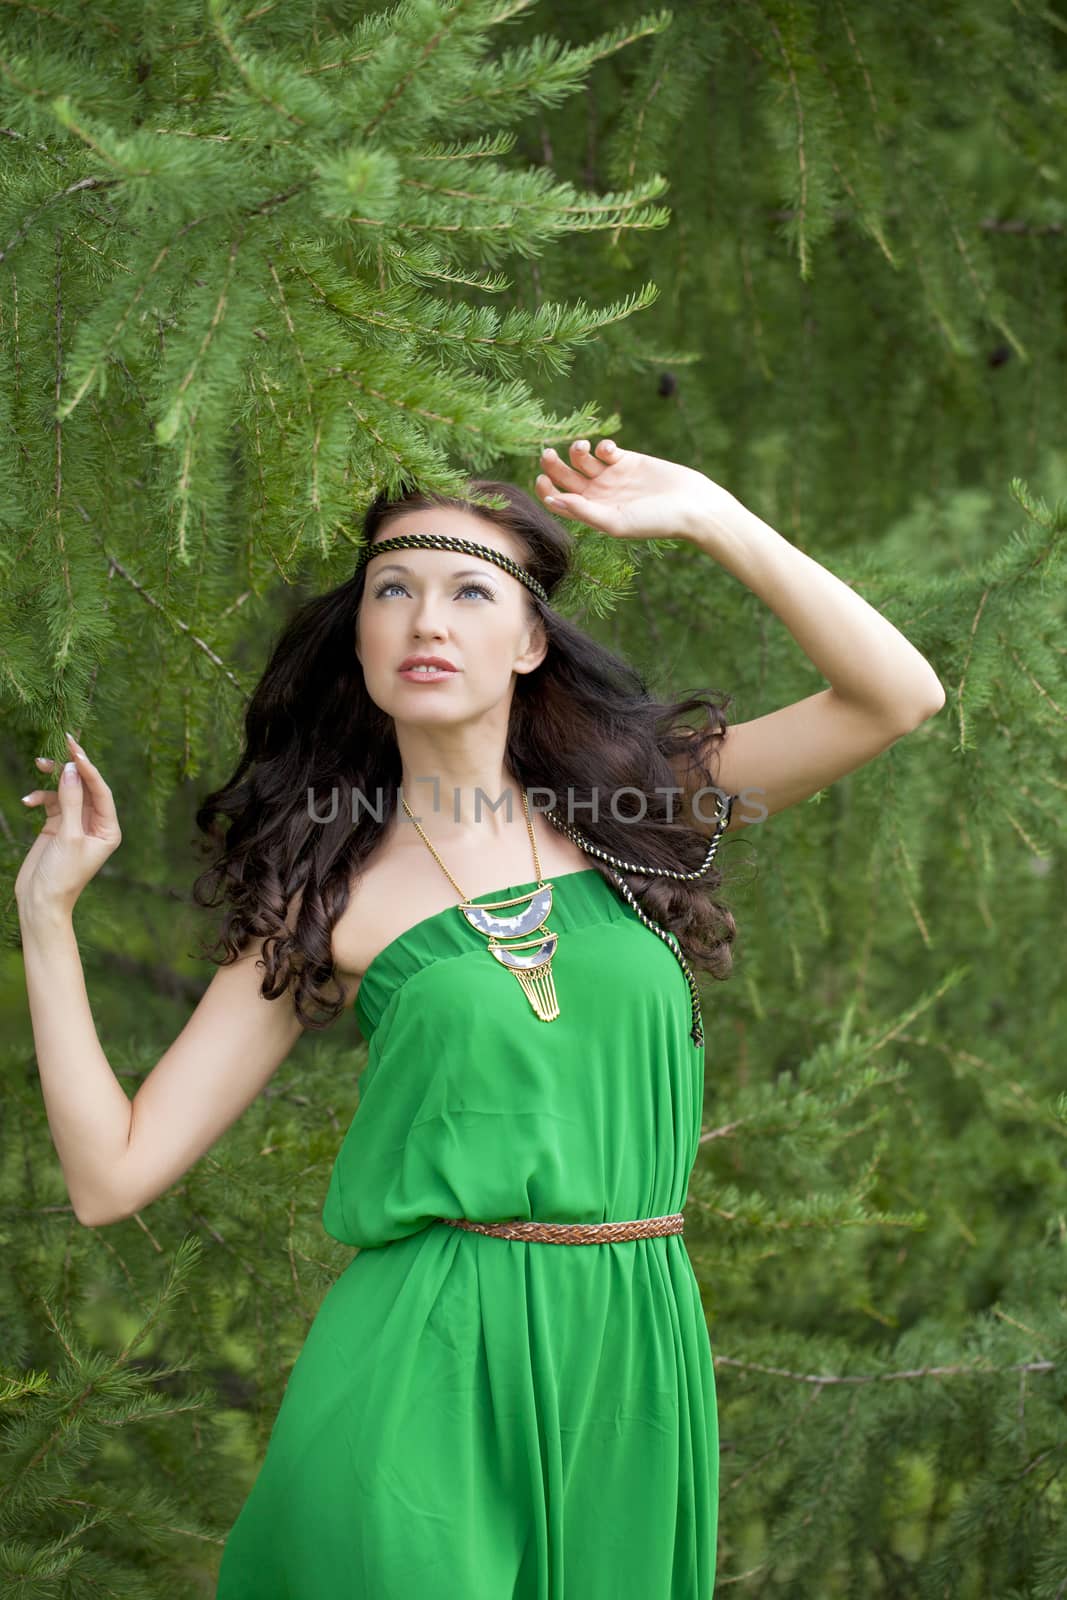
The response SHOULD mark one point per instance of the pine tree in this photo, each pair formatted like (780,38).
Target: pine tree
(256,267)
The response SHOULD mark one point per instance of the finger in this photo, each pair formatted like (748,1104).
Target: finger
(583,461)
(45,797)
(562,475)
(99,792)
(601,517)
(45,762)
(558,501)
(608,451)
(69,790)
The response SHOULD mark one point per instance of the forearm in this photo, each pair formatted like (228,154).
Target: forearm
(88,1110)
(865,659)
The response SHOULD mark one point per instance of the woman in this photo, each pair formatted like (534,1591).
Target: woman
(477,1413)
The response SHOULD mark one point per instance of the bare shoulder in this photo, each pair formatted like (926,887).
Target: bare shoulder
(358,935)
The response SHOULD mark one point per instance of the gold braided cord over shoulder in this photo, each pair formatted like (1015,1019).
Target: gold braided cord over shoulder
(725,809)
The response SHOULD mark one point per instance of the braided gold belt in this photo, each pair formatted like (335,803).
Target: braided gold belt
(575,1232)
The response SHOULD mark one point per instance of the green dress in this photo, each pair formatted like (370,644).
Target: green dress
(478,1418)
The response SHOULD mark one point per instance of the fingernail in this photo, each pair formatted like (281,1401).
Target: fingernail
(75,743)
(27,797)
(70,772)
(43,761)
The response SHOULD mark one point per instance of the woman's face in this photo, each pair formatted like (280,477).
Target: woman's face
(443,603)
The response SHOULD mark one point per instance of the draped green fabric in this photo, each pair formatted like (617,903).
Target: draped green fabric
(477,1418)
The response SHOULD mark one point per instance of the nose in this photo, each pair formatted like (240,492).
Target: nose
(427,621)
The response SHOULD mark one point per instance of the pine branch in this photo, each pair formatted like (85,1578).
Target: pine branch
(826,1379)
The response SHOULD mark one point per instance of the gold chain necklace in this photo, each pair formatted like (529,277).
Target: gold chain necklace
(533,971)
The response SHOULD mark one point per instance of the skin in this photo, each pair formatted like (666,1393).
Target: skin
(455,731)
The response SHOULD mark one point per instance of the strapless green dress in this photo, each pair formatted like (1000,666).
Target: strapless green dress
(479,1418)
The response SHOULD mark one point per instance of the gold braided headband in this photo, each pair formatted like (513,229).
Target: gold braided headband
(450,541)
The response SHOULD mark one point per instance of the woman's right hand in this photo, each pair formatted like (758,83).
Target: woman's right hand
(81,830)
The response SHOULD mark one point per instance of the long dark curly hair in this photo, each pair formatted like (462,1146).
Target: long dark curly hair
(582,721)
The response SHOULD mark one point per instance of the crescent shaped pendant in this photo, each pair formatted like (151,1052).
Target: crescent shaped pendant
(536,909)
(533,971)
(507,954)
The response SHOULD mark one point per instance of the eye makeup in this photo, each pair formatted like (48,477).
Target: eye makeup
(395,583)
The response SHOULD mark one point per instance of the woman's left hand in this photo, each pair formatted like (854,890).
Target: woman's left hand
(629,495)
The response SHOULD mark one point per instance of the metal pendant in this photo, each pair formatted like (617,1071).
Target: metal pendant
(534,971)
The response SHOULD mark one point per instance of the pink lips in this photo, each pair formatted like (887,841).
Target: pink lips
(426,661)
(421,675)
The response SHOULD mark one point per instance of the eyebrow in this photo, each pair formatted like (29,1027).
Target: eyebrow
(464,572)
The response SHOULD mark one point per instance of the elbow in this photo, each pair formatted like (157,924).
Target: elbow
(89,1219)
(937,693)
(98,1216)
(927,708)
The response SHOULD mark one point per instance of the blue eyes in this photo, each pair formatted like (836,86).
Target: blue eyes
(477,588)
